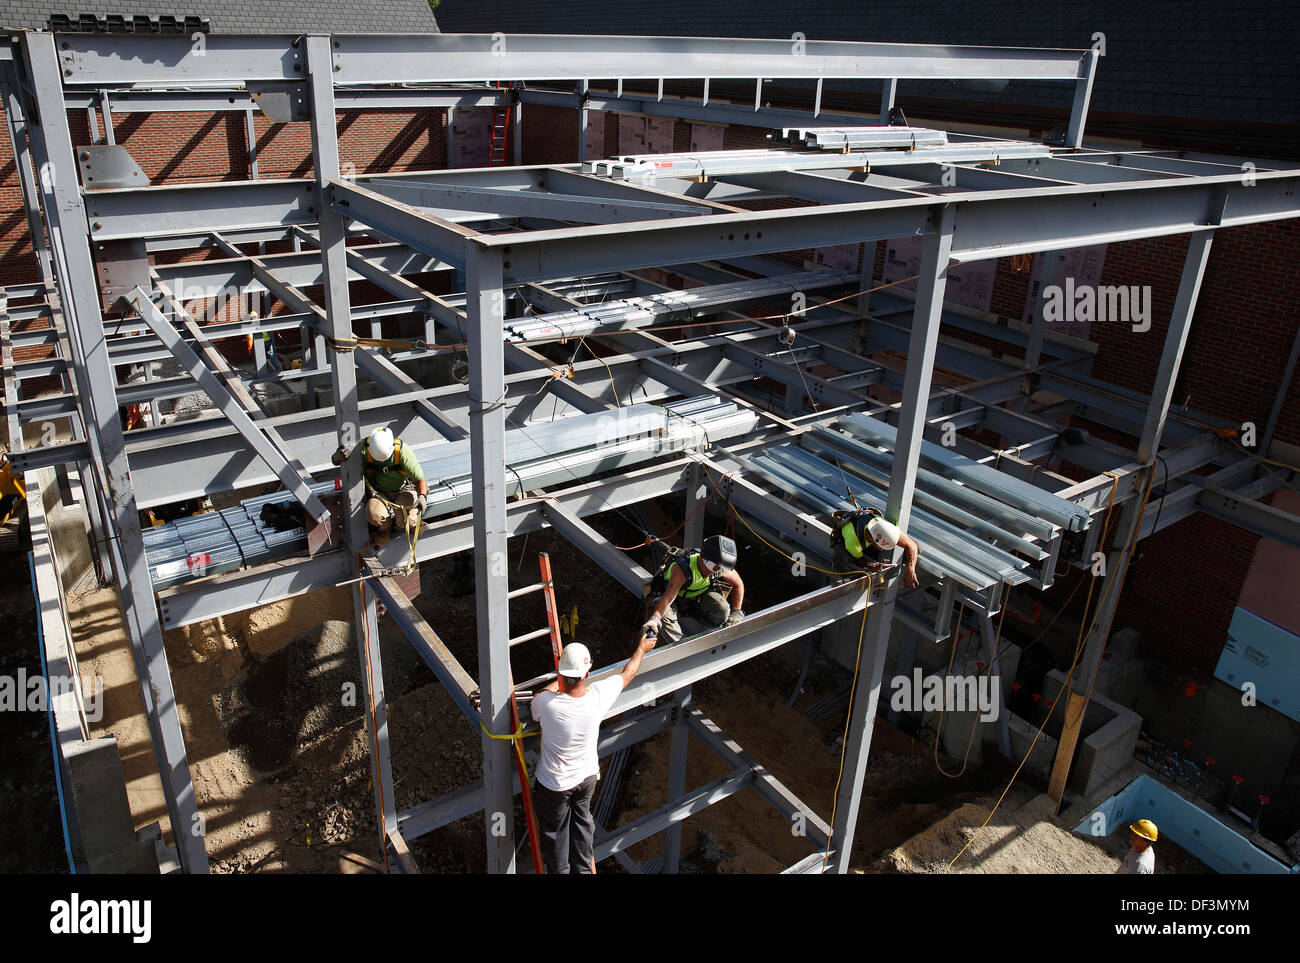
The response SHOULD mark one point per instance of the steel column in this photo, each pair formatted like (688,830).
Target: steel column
(81,305)
(872,647)
(888,93)
(1082,96)
(347,420)
(17,126)
(677,779)
(1038,326)
(485,303)
(1180,323)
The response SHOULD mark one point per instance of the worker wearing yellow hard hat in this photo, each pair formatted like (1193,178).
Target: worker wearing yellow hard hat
(1141,858)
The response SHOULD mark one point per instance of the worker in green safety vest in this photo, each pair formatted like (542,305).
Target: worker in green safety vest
(702,584)
(864,540)
(394,482)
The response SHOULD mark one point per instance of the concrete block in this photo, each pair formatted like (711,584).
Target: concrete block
(69,529)
(98,795)
(1110,733)
(1022,733)
(1122,645)
(1120,681)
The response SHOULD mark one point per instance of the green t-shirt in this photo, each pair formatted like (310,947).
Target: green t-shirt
(389,476)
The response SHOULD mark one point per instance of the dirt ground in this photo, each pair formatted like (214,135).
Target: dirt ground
(1022,836)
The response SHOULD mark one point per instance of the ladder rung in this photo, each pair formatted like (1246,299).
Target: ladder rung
(528,590)
(520,640)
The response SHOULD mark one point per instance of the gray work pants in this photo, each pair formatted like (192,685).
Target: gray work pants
(709,611)
(568,828)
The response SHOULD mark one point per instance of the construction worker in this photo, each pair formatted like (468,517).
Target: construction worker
(702,584)
(864,540)
(394,482)
(569,711)
(1141,858)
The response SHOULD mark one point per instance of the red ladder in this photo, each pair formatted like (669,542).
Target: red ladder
(500,128)
(547,587)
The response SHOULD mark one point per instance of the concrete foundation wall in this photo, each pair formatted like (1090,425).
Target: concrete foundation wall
(1105,750)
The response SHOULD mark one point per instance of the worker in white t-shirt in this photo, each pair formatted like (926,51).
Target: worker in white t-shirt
(1141,858)
(569,711)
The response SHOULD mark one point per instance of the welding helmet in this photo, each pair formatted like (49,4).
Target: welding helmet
(719,550)
(575,661)
(381,444)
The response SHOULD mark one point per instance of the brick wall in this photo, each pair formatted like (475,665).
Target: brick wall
(185,147)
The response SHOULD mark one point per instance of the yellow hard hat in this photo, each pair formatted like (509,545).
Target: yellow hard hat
(1144,828)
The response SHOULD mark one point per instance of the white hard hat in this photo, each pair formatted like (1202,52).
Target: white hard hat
(575,661)
(883,532)
(381,444)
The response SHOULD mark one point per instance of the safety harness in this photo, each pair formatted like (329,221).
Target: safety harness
(374,467)
(697,581)
(854,537)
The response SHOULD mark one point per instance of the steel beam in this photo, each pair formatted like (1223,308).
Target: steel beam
(988,224)
(672,668)
(262,438)
(396,381)
(458,683)
(1250,514)
(417,229)
(592,544)
(798,813)
(874,640)
(126,60)
(677,777)
(676,811)
(437,199)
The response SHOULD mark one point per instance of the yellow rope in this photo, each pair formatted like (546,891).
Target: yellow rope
(844,739)
(412,530)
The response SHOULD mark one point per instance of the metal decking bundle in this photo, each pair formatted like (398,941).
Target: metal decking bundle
(536,456)
(976,525)
(719,163)
(859,138)
(640,311)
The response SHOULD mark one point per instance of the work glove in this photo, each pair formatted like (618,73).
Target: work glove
(340,456)
(735,616)
(652,625)
(420,503)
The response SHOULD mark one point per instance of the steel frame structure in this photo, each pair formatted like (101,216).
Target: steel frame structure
(517,234)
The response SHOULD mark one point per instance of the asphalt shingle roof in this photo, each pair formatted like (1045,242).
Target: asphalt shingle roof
(246,16)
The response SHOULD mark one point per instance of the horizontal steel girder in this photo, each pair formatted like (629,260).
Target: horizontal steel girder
(664,671)
(366,59)
(988,224)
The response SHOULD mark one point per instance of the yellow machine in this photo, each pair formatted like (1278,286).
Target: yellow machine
(13,496)
(12,491)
